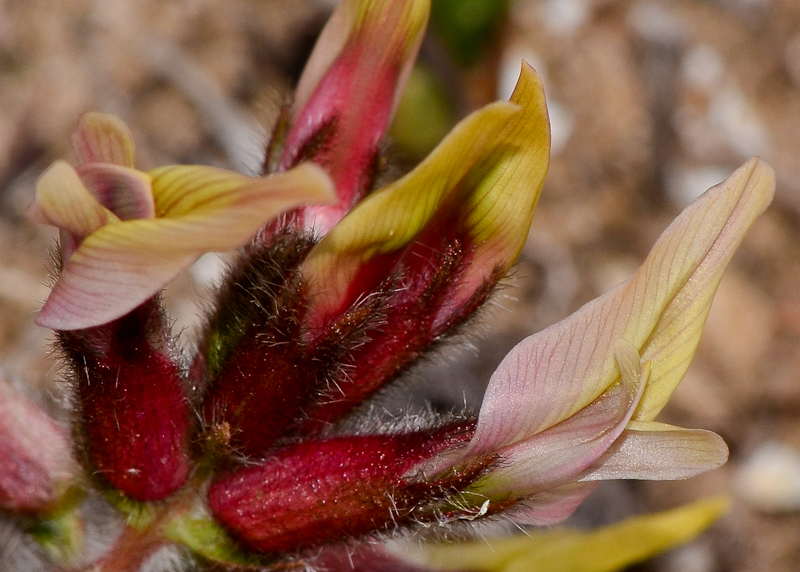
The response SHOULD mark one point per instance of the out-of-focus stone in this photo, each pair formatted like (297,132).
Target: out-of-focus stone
(770,479)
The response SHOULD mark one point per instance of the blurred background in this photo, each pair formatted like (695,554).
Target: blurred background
(651,103)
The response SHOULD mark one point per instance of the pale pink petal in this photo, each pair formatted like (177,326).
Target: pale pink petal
(103,138)
(560,453)
(655,451)
(552,375)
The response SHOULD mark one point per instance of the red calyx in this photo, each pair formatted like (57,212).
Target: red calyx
(135,416)
(319,492)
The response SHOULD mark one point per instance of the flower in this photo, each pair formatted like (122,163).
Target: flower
(126,233)
(575,403)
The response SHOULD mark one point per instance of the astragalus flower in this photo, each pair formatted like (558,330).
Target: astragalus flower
(258,449)
(126,233)
(575,403)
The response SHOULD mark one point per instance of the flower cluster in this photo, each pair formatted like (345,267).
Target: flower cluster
(255,449)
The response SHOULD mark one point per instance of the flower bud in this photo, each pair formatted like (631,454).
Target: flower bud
(134,414)
(347,95)
(319,492)
(35,458)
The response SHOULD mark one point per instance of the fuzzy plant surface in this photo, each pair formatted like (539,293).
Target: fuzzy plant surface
(255,450)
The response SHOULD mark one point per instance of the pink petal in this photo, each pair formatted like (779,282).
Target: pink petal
(103,138)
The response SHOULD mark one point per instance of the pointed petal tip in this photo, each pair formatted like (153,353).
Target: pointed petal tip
(756,177)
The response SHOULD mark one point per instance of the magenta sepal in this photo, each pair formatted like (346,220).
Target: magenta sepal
(134,414)
(319,492)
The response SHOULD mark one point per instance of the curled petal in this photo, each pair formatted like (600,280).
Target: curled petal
(63,201)
(648,450)
(559,454)
(119,266)
(553,374)
(124,191)
(103,138)
(482,182)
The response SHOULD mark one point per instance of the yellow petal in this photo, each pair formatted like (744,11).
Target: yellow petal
(563,550)
(490,170)
(678,281)
(64,202)
(103,138)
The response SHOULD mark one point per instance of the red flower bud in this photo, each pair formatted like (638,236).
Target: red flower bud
(134,412)
(318,492)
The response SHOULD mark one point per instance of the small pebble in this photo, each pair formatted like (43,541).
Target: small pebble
(564,17)
(770,480)
(703,67)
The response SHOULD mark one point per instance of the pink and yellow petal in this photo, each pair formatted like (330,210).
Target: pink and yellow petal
(347,96)
(501,207)
(487,173)
(661,310)
(103,138)
(561,453)
(385,33)
(120,266)
(62,200)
